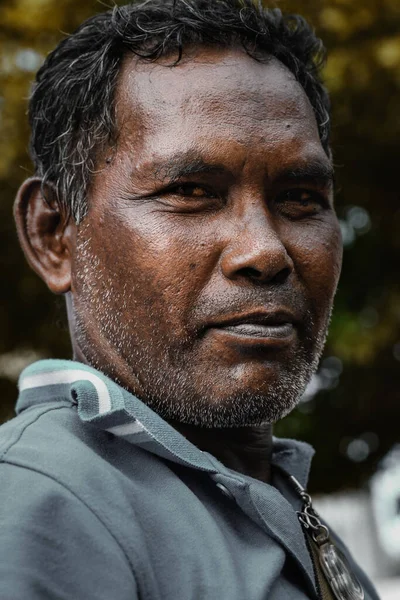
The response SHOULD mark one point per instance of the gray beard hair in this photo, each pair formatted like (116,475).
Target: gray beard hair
(166,388)
(246,408)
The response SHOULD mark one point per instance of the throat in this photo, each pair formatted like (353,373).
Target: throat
(246,450)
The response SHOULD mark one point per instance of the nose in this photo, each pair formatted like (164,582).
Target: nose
(256,251)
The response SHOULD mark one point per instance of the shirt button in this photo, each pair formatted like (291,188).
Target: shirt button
(225,491)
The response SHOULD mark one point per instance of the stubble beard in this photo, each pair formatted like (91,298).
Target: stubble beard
(170,385)
(174,397)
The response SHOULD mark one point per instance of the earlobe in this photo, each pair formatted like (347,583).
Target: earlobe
(45,233)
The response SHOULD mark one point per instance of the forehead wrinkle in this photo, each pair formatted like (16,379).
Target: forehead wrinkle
(199,86)
(259,100)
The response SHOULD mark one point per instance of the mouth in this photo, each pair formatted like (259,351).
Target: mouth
(255,330)
(276,328)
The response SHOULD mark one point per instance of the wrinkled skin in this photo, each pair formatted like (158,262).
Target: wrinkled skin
(196,217)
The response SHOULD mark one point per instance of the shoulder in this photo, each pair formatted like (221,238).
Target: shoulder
(49,449)
(51,440)
(52,543)
(56,487)
(47,437)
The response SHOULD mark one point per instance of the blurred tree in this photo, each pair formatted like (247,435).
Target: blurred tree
(351,410)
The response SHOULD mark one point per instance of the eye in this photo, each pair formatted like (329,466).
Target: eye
(300,202)
(190,198)
(192,190)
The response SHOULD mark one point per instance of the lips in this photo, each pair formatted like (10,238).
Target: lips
(256,330)
(272,326)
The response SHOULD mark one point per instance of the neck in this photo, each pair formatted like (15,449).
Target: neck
(244,449)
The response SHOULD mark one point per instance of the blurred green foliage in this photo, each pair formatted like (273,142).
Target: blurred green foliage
(352,411)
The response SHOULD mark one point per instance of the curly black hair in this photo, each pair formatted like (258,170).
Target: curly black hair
(71,108)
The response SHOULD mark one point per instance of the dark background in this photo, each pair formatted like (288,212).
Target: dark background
(351,412)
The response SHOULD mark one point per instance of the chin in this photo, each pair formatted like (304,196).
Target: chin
(215,392)
(256,401)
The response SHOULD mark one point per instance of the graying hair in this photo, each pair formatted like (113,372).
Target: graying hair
(71,108)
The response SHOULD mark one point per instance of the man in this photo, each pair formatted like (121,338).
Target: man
(183,204)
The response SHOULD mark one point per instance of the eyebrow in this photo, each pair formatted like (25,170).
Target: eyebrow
(190,162)
(184,164)
(314,171)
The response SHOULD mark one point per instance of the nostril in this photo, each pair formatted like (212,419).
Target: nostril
(257,275)
(250,272)
(281,276)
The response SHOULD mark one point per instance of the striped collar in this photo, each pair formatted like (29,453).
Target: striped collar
(104,404)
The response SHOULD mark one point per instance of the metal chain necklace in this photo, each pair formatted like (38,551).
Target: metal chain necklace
(339,576)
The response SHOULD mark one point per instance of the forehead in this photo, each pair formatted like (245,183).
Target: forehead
(218,101)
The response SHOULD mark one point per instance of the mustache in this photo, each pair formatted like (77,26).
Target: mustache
(235,302)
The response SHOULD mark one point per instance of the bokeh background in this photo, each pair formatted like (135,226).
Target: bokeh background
(351,411)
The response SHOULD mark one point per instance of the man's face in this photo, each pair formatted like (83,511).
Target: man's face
(205,271)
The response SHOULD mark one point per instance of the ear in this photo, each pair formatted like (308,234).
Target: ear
(46,234)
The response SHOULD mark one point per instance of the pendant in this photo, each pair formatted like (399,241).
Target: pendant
(338,574)
(342,581)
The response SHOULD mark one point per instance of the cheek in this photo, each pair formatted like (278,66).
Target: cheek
(167,262)
(317,255)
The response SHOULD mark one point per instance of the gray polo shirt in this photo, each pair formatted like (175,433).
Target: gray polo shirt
(101,499)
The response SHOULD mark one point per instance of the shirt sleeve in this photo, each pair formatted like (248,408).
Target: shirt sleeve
(53,547)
